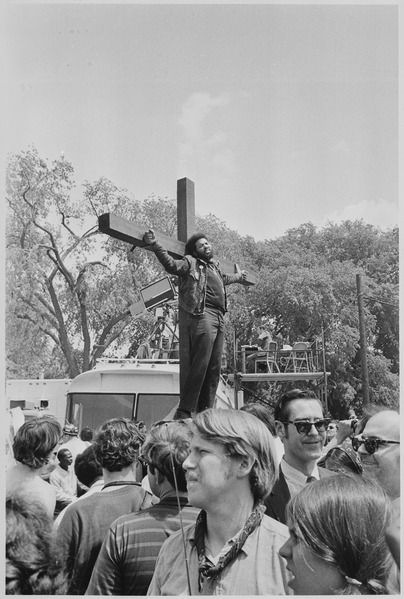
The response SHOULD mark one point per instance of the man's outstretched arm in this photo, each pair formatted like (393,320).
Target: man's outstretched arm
(173,267)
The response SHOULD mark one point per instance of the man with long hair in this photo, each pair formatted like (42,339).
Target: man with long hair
(232,549)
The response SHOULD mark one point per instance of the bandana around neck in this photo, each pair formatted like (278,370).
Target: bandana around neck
(206,570)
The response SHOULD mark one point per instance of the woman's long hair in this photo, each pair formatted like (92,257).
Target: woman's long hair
(342,519)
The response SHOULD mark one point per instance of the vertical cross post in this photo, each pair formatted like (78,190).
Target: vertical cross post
(185,228)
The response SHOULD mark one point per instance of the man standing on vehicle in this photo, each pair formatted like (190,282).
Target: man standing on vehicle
(202,295)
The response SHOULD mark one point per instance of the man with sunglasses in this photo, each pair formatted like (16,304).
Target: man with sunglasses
(301,426)
(378,447)
(379,451)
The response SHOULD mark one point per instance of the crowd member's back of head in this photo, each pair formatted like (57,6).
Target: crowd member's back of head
(262,413)
(86,467)
(117,444)
(337,531)
(86,434)
(342,459)
(242,435)
(35,440)
(166,447)
(32,565)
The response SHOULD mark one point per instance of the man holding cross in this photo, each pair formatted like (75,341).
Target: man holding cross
(202,296)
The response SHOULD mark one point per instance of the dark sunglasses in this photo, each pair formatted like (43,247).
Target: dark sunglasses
(371,445)
(303,427)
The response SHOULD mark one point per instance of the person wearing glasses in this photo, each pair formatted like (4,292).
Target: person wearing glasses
(301,426)
(332,430)
(379,451)
(128,556)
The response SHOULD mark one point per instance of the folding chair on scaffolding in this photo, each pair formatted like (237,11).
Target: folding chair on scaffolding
(270,358)
(301,356)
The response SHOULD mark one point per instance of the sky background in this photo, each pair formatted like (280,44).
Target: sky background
(280,114)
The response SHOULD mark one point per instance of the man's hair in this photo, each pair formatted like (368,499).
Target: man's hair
(243,435)
(262,413)
(167,446)
(342,520)
(190,246)
(86,434)
(86,468)
(117,443)
(62,452)
(282,408)
(33,563)
(35,440)
(341,459)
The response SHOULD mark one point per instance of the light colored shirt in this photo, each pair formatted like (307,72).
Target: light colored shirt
(257,570)
(65,483)
(295,479)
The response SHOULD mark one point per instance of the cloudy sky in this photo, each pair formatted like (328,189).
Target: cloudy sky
(281,114)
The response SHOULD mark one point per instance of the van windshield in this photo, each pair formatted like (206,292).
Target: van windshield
(93,409)
(152,407)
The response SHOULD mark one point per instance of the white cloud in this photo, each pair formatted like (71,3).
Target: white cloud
(381,213)
(194,113)
(196,145)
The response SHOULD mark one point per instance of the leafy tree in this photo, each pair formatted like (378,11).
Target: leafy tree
(70,283)
(69,287)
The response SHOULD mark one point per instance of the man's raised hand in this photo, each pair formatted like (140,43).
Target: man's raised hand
(149,237)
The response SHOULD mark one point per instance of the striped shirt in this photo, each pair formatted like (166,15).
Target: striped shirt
(126,562)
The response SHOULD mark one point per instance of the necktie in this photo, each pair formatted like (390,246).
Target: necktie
(311,479)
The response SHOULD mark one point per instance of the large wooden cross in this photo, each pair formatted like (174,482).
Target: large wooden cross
(132,233)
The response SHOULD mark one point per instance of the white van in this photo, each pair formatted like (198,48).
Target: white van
(143,390)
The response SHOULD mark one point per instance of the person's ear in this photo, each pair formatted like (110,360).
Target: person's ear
(245,466)
(280,429)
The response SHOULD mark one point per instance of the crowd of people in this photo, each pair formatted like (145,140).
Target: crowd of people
(234,502)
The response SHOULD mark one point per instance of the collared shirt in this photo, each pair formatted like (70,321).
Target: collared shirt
(257,570)
(64,482)
(295,479)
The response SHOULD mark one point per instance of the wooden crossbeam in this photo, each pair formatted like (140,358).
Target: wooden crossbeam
(131,232)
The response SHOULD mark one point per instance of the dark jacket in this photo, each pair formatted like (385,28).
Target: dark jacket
(192,273)
(279,496)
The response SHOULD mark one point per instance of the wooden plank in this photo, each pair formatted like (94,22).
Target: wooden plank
(185,208)
(120,228)
(277,376)
(129,231)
